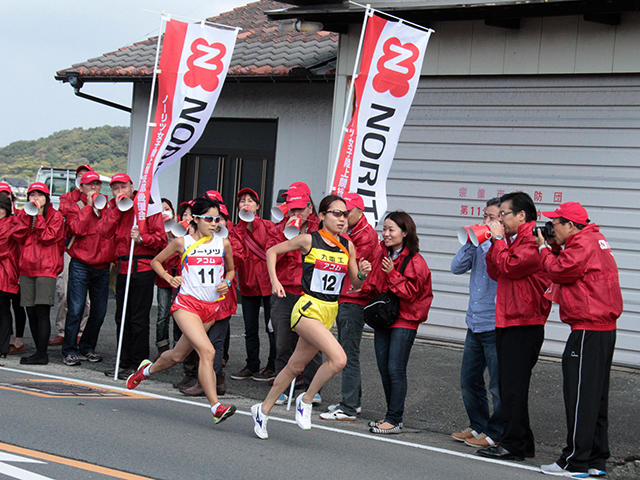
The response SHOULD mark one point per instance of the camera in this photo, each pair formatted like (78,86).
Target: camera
(546,230)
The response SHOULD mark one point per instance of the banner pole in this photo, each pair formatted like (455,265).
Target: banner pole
(163,19)
(367,13)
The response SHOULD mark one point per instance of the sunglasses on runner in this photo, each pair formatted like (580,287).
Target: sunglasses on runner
(208,218)
(338,213)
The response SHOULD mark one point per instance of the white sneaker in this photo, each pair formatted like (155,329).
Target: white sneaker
(339,415)
(555,469)
(259,421)
(335,406)
(596,472)
(282,399)
(303,413)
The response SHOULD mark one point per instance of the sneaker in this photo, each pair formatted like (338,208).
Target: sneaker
(317,399)
(303,413)
(555,469)
(339,415)
(91,357)
(481,441)
(223,412)
(264,375)
(335,406)
(282,399)
(71,360)
(465,434)
(259,421)
(138,376)
(596,472)
(243,374)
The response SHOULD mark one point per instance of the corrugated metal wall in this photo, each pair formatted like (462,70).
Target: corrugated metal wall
(559,138)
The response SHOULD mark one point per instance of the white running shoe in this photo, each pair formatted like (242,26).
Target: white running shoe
(555,469)
(303,413)
(596,472)
(335,406)
(339,415)
(259,421)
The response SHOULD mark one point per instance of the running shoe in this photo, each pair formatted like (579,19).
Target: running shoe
(91,357)
(138,376)
(317,399)
(339,415)
(596,472)
(335,406)
(223,412)
(303,413)
(555,469)
(259,421)
(282,399)
(71,360)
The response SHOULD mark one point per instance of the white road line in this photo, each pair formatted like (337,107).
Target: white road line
(286,420)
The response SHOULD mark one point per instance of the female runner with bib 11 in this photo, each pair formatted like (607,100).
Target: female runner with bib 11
(326,259)
(205,258)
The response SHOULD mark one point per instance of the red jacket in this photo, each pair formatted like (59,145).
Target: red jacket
(413,289)
(88,245)
(586,275)
(289,265)
(252,270)
(9,256)
(42,243)
(67,202)
(521,280)
(365,241)
(116,226)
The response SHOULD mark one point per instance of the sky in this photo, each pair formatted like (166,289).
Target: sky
(40,37)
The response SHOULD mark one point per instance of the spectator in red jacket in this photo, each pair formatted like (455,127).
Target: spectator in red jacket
(585,275)
(255,288)
(91,256)
(350,319)
(521,312)
(8,271)
(400,247)
(42,239)
(118,226)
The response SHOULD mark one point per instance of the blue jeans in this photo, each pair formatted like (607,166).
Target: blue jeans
(82,279)
(393,346)
(479,354)
(350,321)
(165,297)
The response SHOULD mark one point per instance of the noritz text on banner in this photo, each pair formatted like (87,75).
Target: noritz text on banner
(392,56)
(193,66)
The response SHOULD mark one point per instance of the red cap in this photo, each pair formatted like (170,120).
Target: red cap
(214,195)
(223,209)
(301,186)
(120,177)
(5,187)
(40,187)
(297,198)
(571,211)
(353,200)
(89,177)
(250,191)
(188,203)
(86,167)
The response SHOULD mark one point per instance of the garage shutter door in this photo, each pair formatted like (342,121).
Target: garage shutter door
(560,138)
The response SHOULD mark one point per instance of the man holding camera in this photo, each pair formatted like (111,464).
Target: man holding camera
(521,312)
(585,284)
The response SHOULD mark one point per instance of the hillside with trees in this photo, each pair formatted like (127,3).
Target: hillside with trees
(104,148)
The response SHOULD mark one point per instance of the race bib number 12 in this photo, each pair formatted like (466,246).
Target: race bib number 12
(327,277)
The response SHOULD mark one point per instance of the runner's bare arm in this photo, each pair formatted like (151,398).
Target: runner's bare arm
(229,268)
(301,242)
(175,246)
(357,270)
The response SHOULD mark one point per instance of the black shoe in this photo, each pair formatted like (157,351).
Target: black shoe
(123,373)
(498,452)
(186,382)
(35,359)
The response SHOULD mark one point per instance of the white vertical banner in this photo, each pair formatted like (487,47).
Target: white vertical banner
(392,57)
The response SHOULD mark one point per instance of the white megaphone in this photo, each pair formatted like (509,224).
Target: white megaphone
(293,229)
(222,232)
(278,213)
(246,215)
(78,182)
(169,224)
(178,229)
(32,208)
(124,203)
(99,201)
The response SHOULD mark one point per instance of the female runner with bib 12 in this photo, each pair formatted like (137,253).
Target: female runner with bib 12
(205,257)
(326,259)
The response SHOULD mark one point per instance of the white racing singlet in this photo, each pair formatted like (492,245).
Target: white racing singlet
(202,269)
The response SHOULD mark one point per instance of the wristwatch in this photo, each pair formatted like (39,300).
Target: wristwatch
(498,237)
(228,282)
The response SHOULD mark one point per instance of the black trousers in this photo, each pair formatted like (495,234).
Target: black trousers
(518,349)
(135,340)
(5,322)
(586,365)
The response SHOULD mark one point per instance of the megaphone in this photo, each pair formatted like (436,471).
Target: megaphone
(293,229)
(99,201)
(32,208)
(278,213)
(463,235)
(169,224)
(222,232)
(246,215)
(124,203)
(179,229)
(479,233)
(78,182)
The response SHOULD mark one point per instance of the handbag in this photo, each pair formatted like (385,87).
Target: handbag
(383,310)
